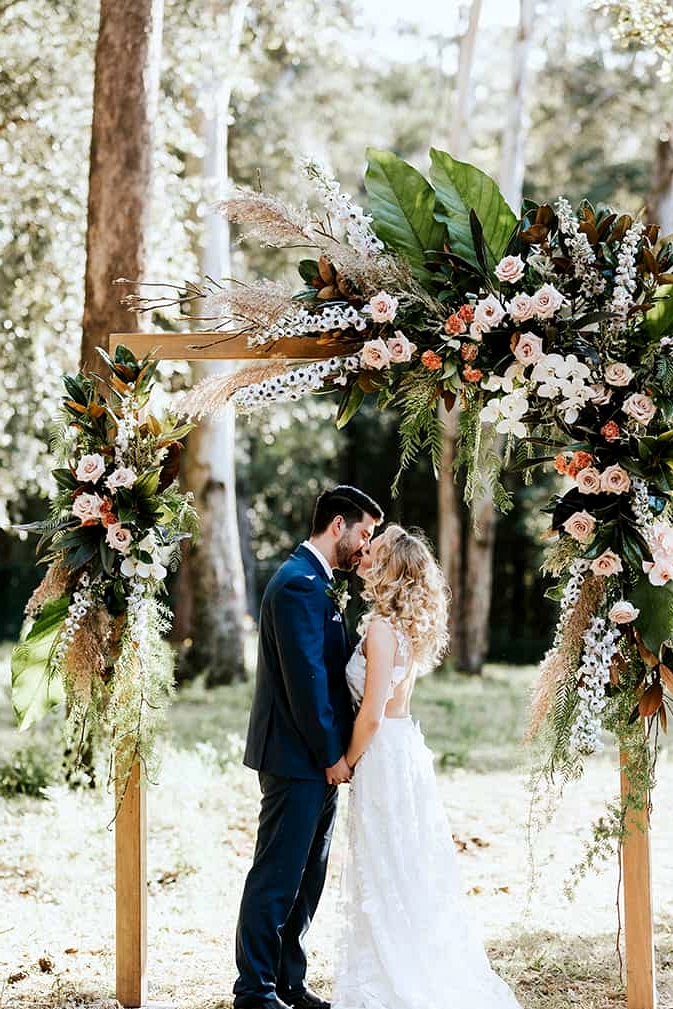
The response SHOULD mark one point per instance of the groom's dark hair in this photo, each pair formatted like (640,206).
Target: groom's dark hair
(350,502)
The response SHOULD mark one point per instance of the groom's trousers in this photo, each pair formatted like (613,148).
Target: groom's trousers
(283,887)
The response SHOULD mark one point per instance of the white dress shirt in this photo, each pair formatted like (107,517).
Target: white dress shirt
(321,558)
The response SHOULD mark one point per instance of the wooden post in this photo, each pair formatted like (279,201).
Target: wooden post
(641,989)
(131,891)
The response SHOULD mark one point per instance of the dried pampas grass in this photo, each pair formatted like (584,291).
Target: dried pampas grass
(561,661)
(57,582)
(212,394)
(253,308)
(267,218)
(89,651)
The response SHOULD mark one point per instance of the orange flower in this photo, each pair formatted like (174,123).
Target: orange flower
(431,360)
(472,374)
(579,461)
(469,351)
(466,313)
(454,325)
(107,516)
(561,463)
(610,431)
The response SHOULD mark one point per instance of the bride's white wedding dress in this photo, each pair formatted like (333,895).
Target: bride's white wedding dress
(407,940)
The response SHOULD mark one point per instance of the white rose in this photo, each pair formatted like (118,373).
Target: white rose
(618,373)
(588,480)
(488,312)
(521,308)
(86,507)
(90,468)
(529,349)
(122,477)
(547,301)
(400,348)
(118,538)
(640,407)
(375,354)
(609,563)
(382,307)
(615,480)
(510,269)
(581,526)
(623,612)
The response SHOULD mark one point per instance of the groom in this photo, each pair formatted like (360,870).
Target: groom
(300,725)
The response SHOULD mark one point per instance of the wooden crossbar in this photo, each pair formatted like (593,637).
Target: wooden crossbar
(213,346)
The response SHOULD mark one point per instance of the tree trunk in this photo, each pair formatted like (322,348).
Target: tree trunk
(451,510)
(513,160)
(125,100)
(660,202)
(215,576)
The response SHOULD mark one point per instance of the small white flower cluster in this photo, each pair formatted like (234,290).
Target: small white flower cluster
(640,505)
(79,605)
(126,427)
(303,323)
(580,250)
(292,385)
(356,223)
(600,646)
(571,594)
(625,275)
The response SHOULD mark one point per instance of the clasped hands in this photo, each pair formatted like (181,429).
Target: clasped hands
(339,773)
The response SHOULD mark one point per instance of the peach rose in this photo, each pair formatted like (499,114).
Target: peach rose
(375,354)
(521,308)
(431,360)
(510,269)
(90,468)
(615,480)
(588,480)
(399,348)
(455,326)
(547,301)
(528,349)
(581,526)
(608,563)
(623,612)
(383,307)
(618,373)
(86,507)
(640,407)
(118,538)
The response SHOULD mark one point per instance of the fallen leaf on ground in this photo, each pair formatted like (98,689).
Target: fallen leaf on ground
(19,976)
(46,964)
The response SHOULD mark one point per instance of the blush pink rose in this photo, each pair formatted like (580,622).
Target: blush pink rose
(581,526)
(510,269)
(588,480)
(87,508)
(660,570)
(618,374)
(118,538)
(123,476)
(529,349)
(375,354)
(608,563)
(521,308)
(623,612)
(547,301)
(489,312)
(477,330)
(615,480)
(383,307)
(399,348)
(640,407)
(90,468)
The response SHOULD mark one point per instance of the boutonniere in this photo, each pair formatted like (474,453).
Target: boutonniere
(337,590)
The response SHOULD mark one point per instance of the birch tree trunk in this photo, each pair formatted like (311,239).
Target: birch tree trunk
(124,107)
(215,577)
(450,509)
(660,202)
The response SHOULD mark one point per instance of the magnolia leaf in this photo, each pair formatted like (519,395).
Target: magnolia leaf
(33,693)
(462,188)
(402,204)
(651,700)
(655,620)
(659,319)
(666,677)
(349,406)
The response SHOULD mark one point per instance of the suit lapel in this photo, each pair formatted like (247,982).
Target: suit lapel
(306,555)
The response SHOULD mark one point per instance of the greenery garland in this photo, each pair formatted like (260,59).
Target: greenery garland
(94,630)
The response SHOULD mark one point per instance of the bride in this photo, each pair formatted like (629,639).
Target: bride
(407,941)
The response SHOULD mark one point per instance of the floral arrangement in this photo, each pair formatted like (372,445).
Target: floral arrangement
(93,633)
(555,330)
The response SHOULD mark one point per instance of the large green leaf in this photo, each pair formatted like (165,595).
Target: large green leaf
(402,203)
(659,319)
(460,188)
(33,694)
(655,620)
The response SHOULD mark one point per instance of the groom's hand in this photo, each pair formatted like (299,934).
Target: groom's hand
(339,773)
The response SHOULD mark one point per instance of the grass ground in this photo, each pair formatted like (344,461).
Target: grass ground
(56,860)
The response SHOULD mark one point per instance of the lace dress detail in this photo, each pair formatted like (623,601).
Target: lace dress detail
(408,941)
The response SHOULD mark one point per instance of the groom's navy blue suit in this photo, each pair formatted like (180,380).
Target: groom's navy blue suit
(300,724)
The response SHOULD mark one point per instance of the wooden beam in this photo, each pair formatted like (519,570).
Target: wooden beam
(131,892)
(641,990)
(225,347)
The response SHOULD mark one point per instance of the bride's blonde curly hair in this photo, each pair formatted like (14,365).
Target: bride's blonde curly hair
(406,585)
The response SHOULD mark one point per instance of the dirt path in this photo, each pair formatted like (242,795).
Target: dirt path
(57,899)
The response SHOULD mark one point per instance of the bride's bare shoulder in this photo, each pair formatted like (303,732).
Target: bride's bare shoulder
(380,634)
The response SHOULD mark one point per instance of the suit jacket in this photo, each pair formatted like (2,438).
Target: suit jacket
(302,716)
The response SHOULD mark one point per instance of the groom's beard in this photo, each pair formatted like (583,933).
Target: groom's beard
(347,556)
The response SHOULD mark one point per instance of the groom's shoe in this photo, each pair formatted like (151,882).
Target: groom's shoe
(307,1000)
